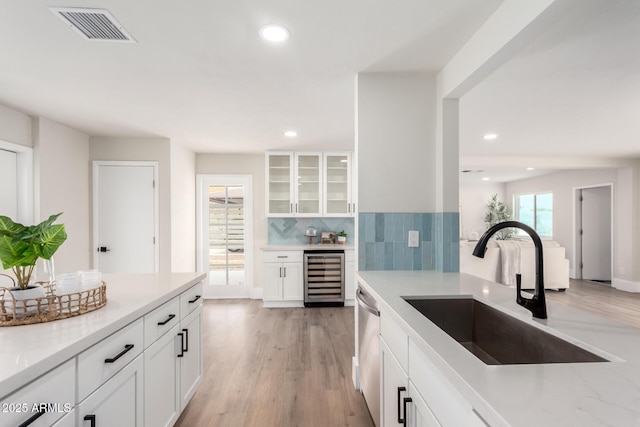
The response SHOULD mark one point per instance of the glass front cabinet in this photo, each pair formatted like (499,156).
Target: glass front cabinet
(294,184)
(310,184)
(337,185)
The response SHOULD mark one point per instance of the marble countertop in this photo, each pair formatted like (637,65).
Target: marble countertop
(315,247)
(29,351)
(574,394)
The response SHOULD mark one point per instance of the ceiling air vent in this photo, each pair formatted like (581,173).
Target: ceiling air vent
(93,24)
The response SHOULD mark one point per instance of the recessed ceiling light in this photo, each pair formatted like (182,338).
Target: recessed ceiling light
(274,33)
(530,169)
(486,178)
(490,136)
(291,133)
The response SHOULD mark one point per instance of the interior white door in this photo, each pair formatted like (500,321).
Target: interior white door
(125,217)
(8,184)
(596,233)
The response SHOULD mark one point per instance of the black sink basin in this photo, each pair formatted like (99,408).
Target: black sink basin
(495,337)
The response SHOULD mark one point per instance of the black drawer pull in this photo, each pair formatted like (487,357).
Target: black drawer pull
(195,299)
(400,390)
(122,353)
(181,335)
(91,418)
(186,338)
(171,316)
(404,405)
(33,418)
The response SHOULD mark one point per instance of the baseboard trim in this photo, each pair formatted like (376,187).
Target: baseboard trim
(255,293)
(625,285)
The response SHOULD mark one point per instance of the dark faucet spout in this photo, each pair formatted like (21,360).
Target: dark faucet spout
(537,304)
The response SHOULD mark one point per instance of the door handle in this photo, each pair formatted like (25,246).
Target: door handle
(91,418)
(104,249)
(404,406)
(33,418)
(168,319)
(181,335)
(186,339)
(119,355)
(400,390)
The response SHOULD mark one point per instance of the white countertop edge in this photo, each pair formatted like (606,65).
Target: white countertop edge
(19,379)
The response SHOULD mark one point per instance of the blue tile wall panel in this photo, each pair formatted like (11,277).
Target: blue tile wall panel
(383,241)
(290,231)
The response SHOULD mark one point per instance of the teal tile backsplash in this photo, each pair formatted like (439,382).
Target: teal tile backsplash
(383,241)
(290,231)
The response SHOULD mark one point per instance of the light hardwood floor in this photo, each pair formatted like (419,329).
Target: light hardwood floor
(601,299)
(276,367)
(292,367)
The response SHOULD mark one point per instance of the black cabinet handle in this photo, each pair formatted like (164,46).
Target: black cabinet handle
(404,406)
(186,338)
(91,418)
(195,299)
(171,316)
(181,335)
(122,353)
(400,390)
(33,418)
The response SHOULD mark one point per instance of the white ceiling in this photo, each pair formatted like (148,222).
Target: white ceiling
(570,96)
(201,76)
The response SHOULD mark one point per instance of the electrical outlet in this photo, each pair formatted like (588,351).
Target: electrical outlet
(414,238)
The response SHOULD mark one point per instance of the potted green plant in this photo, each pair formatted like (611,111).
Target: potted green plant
(495,213)
(342,237)
(21,246)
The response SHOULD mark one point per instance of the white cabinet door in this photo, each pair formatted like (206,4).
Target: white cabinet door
(272,286)
(394,388)
(419,414)
(337,185)
(280,184)
(292,286)
(118,402)
(191,352)
(161,381)
(308,184)
(68,420)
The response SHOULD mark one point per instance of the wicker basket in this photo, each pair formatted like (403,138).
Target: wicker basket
(51,307)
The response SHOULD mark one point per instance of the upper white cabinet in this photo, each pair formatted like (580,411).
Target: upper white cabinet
(309,184)
(294,184)
(337,186)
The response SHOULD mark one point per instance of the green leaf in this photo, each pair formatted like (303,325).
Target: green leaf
(49,240)
(8,227)
(14,253)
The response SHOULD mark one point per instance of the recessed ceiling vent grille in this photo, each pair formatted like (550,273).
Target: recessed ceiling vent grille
(93,24)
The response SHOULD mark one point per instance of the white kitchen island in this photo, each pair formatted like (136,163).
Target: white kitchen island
(447,381)
(141,310)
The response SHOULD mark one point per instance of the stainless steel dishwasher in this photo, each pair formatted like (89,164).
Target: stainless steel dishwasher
(368,351)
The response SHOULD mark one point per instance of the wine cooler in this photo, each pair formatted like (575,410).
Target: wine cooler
(323,278)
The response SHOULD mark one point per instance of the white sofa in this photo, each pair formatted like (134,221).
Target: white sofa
(516,256)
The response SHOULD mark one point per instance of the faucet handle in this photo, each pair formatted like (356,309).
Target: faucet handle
(519,298)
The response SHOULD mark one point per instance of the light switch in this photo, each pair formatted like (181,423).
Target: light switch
(414,238)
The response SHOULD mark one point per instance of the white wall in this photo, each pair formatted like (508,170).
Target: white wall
(62,185)
(183,208)
(395,144)
(15,127)
(562,185)
(243,164)
(145,149)
(473,203)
